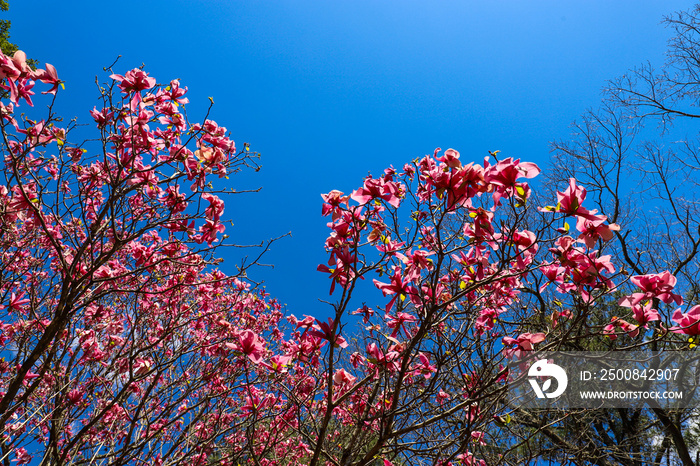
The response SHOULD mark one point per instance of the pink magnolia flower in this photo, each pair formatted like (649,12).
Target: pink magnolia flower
(468,460)
(478,437)
(416,261)
(325,330)
(450,158)
(21,89)
(48,76)
(554,273)
(645,314)
(397,322)
(366,312)
(592,230)
(343,378)
(399,286)
(135,80)
(482,227)
(208,232)
(332,201)
(279,363)
(20,61)
(425,368)
(210,155)
(506,172)
(344,265)
(216,207)
(306,322)
(74,396)
(525,341)
(688,323)
(557,315)
(8,69)
(657,285)
(504,175)
(631,329)
(23,457)
(250,344)
(377,357)
(174,199)
(16,302)
(141,366)
(571,202)
(173,93)
(378,188)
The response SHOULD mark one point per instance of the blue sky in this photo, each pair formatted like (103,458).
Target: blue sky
(328,91)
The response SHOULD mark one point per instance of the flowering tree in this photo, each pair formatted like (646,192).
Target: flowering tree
(638,157)
(473,272)
(120,344)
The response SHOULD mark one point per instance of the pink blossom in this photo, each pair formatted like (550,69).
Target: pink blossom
(688,323)
(658,285)
(399,286)
(173,93)
(208,232)
(16,302)
(74,396)
(325,330)
(135,80)
(23,457)
(216,207)
(592,230)
(450,158)
(378,188)
(343,378)
(332,201)
(631,329)
(571,202)
(424,368)
(20,61)
(478,437)
(525,341)
(366,311)
(377,357)
(141,366)
(397,322)
(48,76)
(645,314)
(8,69)
(210,155)
(250,344)
(504,175)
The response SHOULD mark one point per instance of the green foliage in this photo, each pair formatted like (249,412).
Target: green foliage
(8,48)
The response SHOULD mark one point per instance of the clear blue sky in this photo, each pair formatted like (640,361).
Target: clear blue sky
(329,90)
